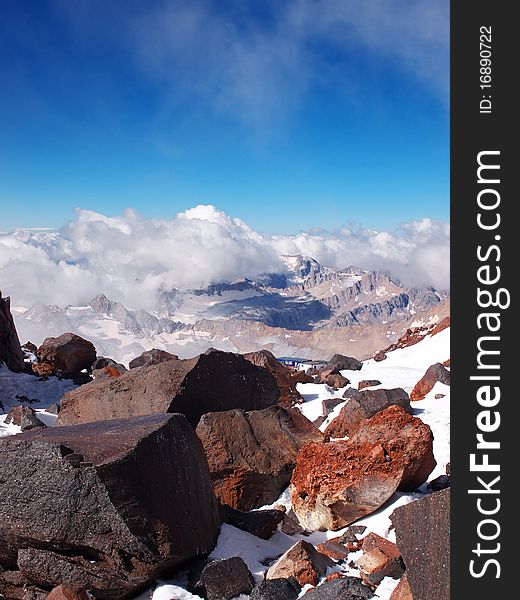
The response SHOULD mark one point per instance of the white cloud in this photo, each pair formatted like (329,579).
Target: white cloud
(132,258)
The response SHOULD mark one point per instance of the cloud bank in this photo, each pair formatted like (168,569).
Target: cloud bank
(132,259)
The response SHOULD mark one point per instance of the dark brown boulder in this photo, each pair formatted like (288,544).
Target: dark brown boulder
(423,537)
(214,381)
(344,363)
(435,373)
(261,523)
(335,484)
(10,350)
(14,586)
(277,589)
(303,562)
(251,455)
(329,404)
(345,588)
(285,377)
(407,440)
(68,354)
(334,380)
(368,383)
(23,416)
(119,503)
(225,579)
(364,405)
(151,357)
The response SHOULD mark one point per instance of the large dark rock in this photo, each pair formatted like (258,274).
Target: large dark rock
(151,357)
(364,405)
(225,579)
(422,530)
(10,350)
(286,378)
(67,354)
(214,381)
(347,588)
(277,589)
(344,363)
(262,523)
(118,503)
(251,455)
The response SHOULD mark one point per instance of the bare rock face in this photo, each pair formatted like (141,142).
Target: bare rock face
(407,440)
(23,416)
(151,357)
(337,483)
(364,405)
(10,350)
(435,373)
(68,354)
(225,579)
(251,455)
(428,562)
(118,502)
(303,562)
(214,381)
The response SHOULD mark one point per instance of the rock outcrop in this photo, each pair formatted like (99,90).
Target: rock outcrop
(10,350)
(422,530)
(364,405)
(214,381)
(344,363)
(118,502)
(436,373)
(251,455)
(67,354)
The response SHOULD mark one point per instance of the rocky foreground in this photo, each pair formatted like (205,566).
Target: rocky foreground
(224,475)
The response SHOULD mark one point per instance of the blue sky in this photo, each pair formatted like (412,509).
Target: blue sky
(293,115)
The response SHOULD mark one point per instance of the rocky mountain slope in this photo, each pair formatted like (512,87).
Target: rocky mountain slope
(310,311)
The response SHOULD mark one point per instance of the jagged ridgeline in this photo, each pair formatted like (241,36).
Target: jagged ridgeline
(309,311)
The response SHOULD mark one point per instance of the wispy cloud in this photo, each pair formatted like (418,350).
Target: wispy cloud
(131,258)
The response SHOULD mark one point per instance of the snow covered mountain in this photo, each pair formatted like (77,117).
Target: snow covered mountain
(310,310)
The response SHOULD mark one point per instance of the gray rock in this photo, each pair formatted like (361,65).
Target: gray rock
(277,589)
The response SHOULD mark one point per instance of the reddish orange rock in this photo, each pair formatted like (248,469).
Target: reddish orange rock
(435,373)
(380,559)
(303,562)
(407,441)
(402,591)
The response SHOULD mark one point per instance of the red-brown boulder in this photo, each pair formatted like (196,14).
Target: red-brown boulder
(436,373)
(380,559)
(364,405)
(402,591)
(251,455)
(214,381)
(335,484)
(68,354)
(368,383)
(67,592)
(23,416)
(407,440)
(303,562)
(151,357)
